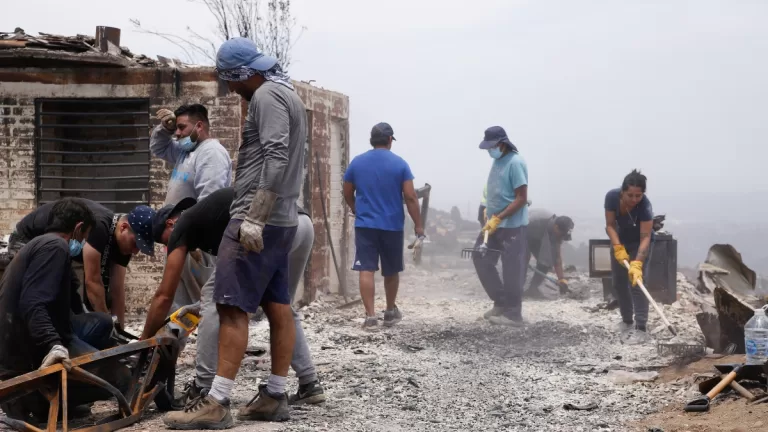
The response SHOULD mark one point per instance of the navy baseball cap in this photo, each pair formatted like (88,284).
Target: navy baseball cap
(242,52)
(140,220)
(493,136)
(162,215)
(382,130)
(565,225)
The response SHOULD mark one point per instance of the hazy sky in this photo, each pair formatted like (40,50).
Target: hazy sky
(587,90)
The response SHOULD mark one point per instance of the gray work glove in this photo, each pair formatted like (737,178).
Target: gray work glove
(167,119)
(252,227)
(193,308)
(57,354)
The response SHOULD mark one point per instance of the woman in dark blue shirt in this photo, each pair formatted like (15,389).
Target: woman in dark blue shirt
(629,222)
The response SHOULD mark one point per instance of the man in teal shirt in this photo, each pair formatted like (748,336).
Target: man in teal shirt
(507,225)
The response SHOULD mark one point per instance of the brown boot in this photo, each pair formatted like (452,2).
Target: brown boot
(265,407)
(201,413)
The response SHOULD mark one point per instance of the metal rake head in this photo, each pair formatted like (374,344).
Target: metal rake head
(479,251)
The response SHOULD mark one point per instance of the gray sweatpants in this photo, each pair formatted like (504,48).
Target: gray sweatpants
(208,330)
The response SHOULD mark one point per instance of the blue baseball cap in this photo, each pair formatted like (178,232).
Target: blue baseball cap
(242,52)
(140,220)
(382,130)
(493,136)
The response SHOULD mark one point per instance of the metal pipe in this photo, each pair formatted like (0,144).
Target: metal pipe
(120,164)
(97,153)
(92,178)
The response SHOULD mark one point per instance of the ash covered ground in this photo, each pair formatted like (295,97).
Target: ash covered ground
(445,368)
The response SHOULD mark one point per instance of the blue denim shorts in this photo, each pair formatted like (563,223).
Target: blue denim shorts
(247,279)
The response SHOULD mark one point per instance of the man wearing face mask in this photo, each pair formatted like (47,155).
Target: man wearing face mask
(105,254)
(546,234)
(36,325)
(201,164)
(507,226)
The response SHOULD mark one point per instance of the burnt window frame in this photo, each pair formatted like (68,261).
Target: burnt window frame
(52,119)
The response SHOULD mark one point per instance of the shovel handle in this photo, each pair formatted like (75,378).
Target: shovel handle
(485,237)
(653,302)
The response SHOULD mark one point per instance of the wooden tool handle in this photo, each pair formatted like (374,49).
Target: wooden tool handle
(653,303)
(485,237)
(723,384)
(742,391)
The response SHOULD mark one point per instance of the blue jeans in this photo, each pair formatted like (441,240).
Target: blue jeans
(94,328)
(631,299)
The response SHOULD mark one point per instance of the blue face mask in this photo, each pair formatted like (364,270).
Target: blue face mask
(76,247)
(187,144)
(495,152)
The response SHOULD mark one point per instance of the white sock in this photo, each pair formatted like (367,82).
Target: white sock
(221,389)
(276,384)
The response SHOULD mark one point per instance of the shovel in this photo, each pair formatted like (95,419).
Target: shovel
(550,279)
(479,251)
(701,403)
(655,306)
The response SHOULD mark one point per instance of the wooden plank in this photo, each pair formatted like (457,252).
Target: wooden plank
(12,44)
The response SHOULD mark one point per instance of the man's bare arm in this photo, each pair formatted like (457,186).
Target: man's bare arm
(349,195)
(94,286)
(163,298)
(412,204)
(521,199)
(610,227)
(117,291)
(645,240)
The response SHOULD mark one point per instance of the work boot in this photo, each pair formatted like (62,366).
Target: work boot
(504,320)
(370,322)
(624,328)
(311,393)
(392,317)
(266,407)
(637,337)
(191,392)
(494,311)
(201,413)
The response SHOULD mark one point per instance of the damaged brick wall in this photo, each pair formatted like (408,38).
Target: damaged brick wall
(169,88)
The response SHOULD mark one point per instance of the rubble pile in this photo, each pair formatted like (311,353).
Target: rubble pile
(445,368)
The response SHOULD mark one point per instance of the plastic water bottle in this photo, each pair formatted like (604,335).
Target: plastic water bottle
(756,337)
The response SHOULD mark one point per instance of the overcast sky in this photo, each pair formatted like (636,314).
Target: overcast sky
(587,90)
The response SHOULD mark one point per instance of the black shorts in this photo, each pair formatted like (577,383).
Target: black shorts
(372,244)
(246,279)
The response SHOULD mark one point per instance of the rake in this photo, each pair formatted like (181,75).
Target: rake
(480,251)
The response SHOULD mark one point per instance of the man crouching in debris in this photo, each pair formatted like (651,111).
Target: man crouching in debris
(252,263)
(507,227)
(546,234)
(105,254)
(36,325)
(203,226)
(629,222)
(375,185)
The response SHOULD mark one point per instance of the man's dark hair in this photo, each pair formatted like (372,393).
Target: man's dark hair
(68,212)
(636,179)
(194,111)
(380,141)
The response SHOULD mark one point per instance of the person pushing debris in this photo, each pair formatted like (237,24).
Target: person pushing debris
(507,226)
(252,264)
(375,184)
(629,225)
(546,234)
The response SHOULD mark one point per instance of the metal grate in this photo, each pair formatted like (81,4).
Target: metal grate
(93,148)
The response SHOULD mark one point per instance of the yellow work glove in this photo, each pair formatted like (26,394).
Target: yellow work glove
(620,254)
(492,224)
(635,272)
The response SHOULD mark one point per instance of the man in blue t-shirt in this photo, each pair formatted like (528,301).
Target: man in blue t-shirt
(507,226)
(375,184)
(629,224)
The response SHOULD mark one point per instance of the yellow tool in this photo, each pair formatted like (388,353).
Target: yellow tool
(187,322)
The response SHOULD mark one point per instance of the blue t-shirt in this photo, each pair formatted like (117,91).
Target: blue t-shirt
(507,174)
(628,225)
(378,176)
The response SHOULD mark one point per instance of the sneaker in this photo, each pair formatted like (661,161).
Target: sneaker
(624,327)
(191,392)
(637,337)
(506,321)
(312,393)
(266,407)
(370,322)
(392,317)
(201,413)
(494,311)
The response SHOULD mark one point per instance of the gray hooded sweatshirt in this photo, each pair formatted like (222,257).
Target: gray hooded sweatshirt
(196,174)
